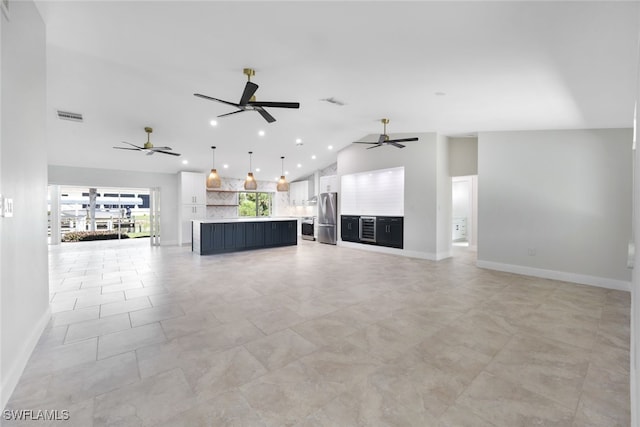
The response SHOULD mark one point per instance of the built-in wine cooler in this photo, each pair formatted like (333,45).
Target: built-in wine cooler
(368,228)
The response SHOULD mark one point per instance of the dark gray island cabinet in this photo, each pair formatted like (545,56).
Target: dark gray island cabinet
(216,236)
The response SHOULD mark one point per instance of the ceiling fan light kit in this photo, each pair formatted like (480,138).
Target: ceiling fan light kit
(282,185)
(384,139)
(250,183)
(248,100)
(213,180)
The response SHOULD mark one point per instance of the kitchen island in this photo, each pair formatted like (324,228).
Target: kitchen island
(215,236)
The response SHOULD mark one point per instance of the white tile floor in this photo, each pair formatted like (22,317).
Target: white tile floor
(319,335)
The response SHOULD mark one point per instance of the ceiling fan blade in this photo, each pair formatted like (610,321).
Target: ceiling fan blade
(149,152)
(375,146)
(268,117)
(402,140)
(233,112)
(275,104)
(249,89)
(382,138)
(167,152)
(126,148)
(216,99)
(395,144)
(133,145)
(159,148)
(365,142)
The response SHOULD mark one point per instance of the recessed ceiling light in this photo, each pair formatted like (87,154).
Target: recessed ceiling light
(299,165)
(257,169)
(313,157)
(184,162)
(213,123)
(286,172)
(261,132)
(298,141)
(330,147)
(225,166)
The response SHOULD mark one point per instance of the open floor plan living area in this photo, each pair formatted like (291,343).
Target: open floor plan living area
(340,337)
(311,213)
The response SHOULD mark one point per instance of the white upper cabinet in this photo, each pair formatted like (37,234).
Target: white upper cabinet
(299,192)
(193,189)
(328,184)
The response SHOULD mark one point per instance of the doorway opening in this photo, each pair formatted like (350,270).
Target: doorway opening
(464,221)
(79,213)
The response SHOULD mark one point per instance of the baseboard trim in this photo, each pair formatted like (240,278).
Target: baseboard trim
(10,379)
(583,279)
(394,251)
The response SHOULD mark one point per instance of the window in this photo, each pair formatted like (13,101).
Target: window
(254,204)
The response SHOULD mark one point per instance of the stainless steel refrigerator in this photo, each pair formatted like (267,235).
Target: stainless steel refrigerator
(328,218)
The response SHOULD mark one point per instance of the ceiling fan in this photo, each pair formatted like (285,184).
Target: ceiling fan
(248,100)
(384,139)
(148,146)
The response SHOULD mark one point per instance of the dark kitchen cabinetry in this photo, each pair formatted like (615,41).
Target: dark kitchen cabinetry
(272,234)
(254,235)
(289,232)
(234,236)
(280,233)
(214,238)
(389,231)
(211,238)
(349,231)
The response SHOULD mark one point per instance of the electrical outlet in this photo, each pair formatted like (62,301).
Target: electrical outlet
(531,251)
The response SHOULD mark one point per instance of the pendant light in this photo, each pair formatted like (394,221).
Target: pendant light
(283,185)
(213,180)
(250,183)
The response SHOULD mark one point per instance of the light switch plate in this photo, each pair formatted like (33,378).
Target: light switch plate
(7,207)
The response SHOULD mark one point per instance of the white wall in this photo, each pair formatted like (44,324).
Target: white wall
(443,208)
(635,283)
(24,288)
(168,184)
(421,183)
(556,204)
(463,156)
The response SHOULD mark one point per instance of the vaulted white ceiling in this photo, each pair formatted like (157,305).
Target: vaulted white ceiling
(449,67)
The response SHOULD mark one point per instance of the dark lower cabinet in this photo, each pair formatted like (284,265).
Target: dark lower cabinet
(234,236)
(288,232)
(237,236)
(389,231)
(272,234)
(211,239)
(349,228)
(254,234)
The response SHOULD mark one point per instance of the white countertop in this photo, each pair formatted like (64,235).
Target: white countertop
(248,219)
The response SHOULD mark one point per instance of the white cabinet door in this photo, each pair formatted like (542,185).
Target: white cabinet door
(188,213)
(193,188)
(299,192)
(328,184)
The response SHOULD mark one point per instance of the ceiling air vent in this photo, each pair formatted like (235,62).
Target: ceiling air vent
(65,115)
